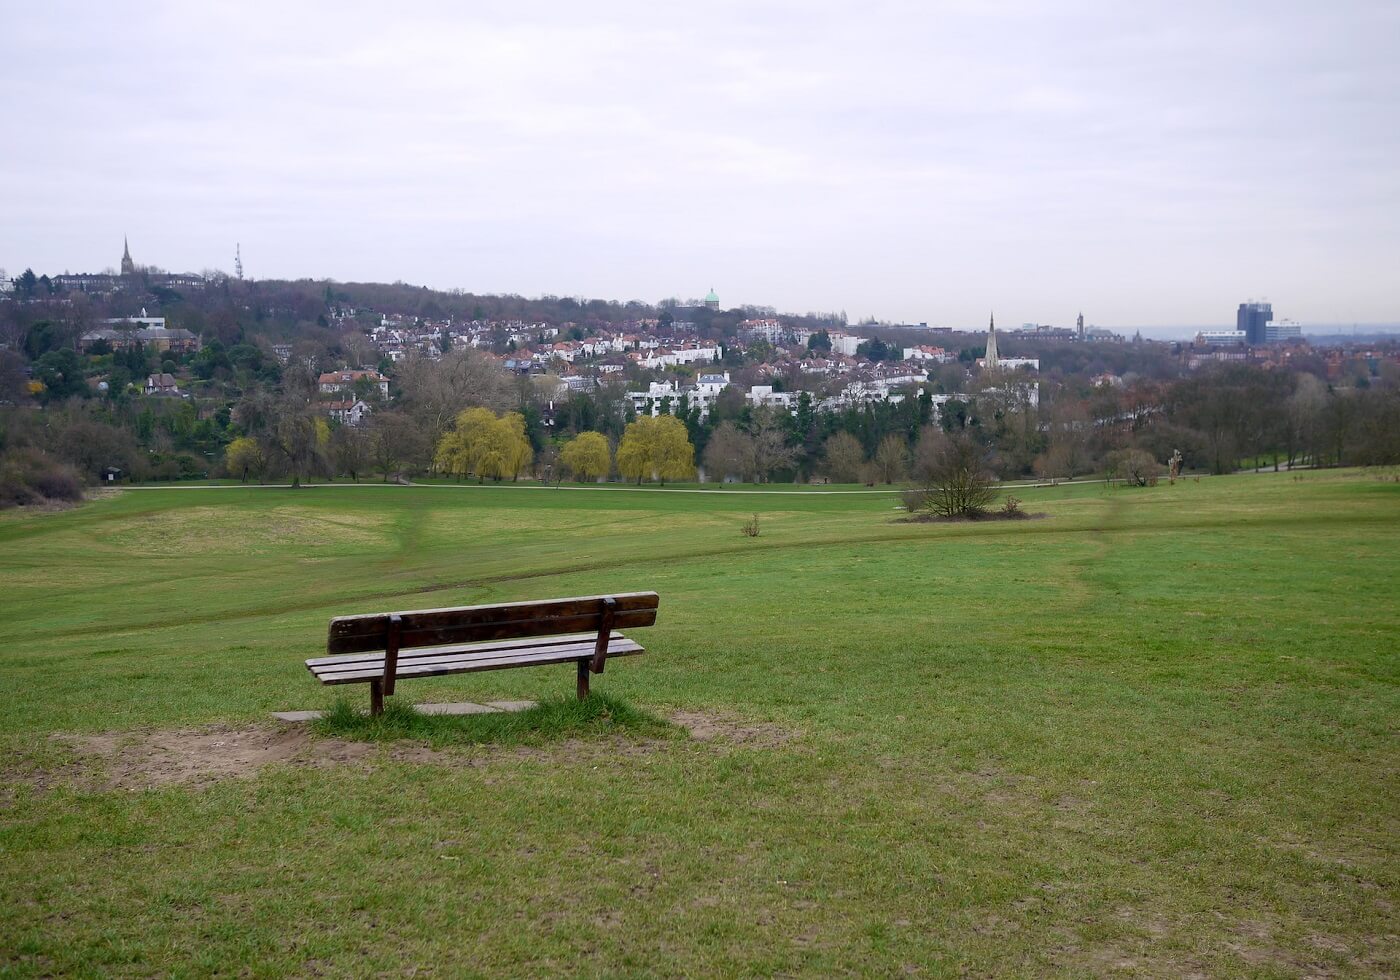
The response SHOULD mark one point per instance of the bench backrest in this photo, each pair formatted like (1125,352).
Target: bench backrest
(507,621)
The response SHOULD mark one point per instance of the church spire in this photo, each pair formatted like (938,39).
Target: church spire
(990,360)
(128,266)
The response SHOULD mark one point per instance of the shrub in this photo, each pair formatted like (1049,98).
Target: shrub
(954,474)
(751,527)
(1012,507)
(914,500)
(1135,467)
(30,476)
(175,466)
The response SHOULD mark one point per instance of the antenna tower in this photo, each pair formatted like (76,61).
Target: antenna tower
(238,260)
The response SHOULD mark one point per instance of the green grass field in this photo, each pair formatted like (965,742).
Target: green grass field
(1154,733)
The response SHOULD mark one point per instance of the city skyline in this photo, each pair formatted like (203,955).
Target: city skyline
(1151,331)
(1158,165)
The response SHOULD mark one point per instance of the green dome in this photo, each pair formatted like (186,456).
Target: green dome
(712,297)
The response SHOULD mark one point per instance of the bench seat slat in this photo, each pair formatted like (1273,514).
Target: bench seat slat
(465,662)
(406,653)
(469,654)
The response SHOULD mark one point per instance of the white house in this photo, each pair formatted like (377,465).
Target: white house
(927,353)
(763,329)
(349,412)
(333,382)
(673,357)
(1024,393)
(649,402)
(763,396)
(710,385)
(162,384)
(861,393)
(1013,363)
(1220,338)
(143,321)
(844,343)
(701,395)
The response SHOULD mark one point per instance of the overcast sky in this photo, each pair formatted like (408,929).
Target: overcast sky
(1148,162)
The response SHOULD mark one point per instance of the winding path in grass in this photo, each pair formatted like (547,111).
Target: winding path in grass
(611,488)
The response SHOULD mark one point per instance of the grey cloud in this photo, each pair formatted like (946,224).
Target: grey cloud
(1148,162)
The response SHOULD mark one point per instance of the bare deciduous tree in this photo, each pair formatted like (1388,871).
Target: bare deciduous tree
(395,443)
(844,458)
(1135,467)
(891,458)
(349,451)
(1066,453)
(297,442)
(729,453)
(435,392)
(771,451)
(953,475)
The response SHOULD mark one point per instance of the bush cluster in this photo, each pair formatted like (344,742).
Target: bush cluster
(31,476)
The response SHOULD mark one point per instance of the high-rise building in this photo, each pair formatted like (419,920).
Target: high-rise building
(1079,325)
(1253,319)
(1282,331)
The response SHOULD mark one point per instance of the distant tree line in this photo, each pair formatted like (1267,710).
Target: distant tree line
(250,415)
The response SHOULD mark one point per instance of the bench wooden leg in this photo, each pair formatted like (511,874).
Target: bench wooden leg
(376,696)
(583,680)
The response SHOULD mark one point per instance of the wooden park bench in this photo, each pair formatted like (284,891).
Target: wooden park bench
(379,649)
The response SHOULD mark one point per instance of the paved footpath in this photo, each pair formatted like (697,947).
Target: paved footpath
(600,488)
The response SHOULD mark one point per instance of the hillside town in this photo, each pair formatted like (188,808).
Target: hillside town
(175,370)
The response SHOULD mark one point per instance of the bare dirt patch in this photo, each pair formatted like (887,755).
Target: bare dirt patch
(195,756)
(199,756)
(705,727)
(988,517)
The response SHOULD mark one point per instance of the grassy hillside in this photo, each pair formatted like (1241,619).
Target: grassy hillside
(1152,732)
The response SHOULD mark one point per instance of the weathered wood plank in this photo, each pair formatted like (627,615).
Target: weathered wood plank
(464,654)
(377,656)
(370,623)
(607,617)
(442,666)
(391,652)
(415,635)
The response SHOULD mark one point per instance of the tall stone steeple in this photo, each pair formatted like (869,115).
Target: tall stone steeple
(990,362)
(128,266)
(1079,324)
